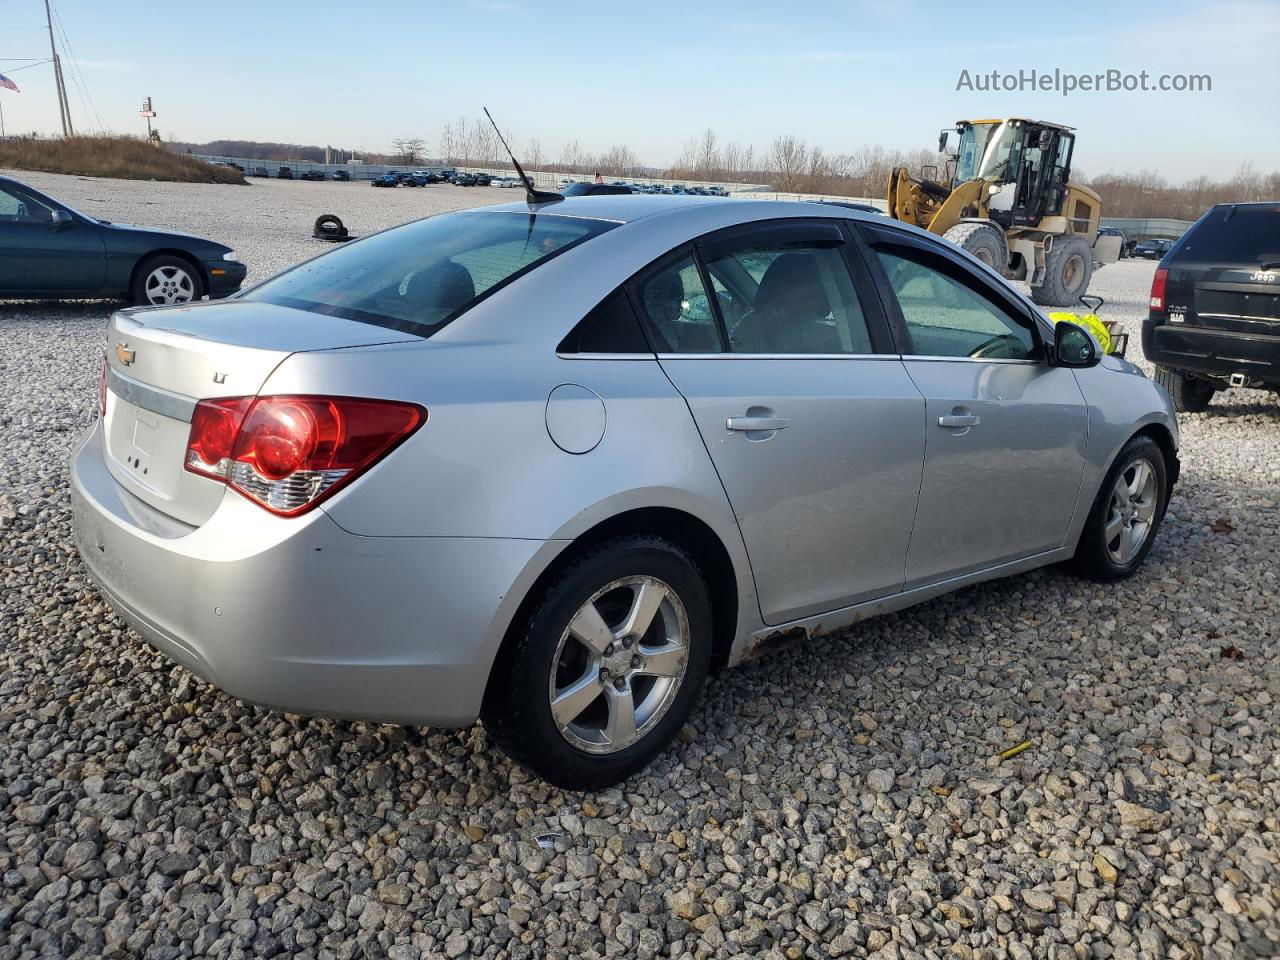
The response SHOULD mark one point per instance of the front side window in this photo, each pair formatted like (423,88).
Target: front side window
(787,297)
(22,208)
(945,318)
(420,276)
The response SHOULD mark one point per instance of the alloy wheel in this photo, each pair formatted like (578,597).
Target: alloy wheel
(619,664)
(169,285)
(1131,511)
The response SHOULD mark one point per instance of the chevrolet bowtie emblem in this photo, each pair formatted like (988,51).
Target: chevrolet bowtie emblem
(124,354)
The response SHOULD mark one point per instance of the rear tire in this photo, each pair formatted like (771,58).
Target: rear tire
(1127,507)
(1068,268)
(984,240)
(164,279)
(557,703)
(1189,394)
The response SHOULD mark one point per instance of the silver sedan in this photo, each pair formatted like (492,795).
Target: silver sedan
(550,465)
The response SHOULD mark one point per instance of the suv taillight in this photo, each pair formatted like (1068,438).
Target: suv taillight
(288,453)
(1158,283)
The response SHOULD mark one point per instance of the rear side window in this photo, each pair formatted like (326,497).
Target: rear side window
(787,297)
(676,306)
(420,276)
(612,327)
(1240,234)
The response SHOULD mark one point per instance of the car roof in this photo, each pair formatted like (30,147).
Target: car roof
(618,207)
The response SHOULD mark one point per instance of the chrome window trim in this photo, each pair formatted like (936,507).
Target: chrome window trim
(166,404)
(1029,363)
(779,356)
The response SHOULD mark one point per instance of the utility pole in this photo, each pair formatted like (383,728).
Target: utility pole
(64,108)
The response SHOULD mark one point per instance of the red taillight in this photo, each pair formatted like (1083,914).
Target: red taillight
(1157,291)
(288,453)
(102,388)
(214,426)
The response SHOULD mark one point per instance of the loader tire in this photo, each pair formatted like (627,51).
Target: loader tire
(984,240)
(1068,268)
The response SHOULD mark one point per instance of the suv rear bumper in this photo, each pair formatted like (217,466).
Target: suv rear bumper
(1215,353)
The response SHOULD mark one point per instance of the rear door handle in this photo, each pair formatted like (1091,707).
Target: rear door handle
(756,423)
(955,420)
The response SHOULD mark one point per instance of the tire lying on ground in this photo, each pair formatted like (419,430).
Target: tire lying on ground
(1189,394)
(1068,270)
(984,240)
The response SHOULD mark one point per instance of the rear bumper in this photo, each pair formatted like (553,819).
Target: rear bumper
(1211,352)
(299,614)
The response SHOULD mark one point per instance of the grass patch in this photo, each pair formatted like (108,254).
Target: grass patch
(122,158)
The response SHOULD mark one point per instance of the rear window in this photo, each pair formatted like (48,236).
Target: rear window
(420,276)
(1240,234)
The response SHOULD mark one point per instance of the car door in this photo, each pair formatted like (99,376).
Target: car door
(809,417)
(1006,432)
(39,255)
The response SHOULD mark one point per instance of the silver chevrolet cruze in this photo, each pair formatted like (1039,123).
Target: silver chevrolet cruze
(549,465)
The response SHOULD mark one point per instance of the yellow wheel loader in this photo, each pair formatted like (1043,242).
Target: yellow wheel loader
(1009,201)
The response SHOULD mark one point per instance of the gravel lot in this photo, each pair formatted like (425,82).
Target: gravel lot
(840,798)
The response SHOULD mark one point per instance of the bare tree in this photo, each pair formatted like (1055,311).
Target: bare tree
(407,148)
(788,161)
(533,154)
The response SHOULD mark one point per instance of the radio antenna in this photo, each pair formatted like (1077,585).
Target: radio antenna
(533,195)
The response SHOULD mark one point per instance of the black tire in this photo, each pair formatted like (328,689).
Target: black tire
(984,240)
(1189,394)
(1068,268)
(517,709)
(1093,558)
(191,281)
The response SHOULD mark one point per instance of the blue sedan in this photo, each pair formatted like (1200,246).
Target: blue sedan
(50,252)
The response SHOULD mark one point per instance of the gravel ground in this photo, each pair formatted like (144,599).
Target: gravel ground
(839,798)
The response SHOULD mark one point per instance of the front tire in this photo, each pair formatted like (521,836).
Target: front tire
(608,666)
(1189,394)
(165,280)
(1068,268)
(1126,514)
(984,240)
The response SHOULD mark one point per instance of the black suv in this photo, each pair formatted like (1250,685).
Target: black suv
(1215,306)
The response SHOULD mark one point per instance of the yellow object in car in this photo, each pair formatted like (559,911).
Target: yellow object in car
(1090,322)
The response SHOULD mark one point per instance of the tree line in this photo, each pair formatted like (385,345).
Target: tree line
(788,163)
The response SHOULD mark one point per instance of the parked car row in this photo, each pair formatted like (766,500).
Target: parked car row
(622,186)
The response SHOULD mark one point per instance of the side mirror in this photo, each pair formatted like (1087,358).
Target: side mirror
(1074,346)
(944,141)
(60,220)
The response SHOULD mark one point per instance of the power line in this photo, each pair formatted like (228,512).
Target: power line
(82,86)
(38,63)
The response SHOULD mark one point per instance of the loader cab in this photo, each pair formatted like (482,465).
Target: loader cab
(1027,164)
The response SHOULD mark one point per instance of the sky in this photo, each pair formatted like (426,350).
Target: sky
(842,75)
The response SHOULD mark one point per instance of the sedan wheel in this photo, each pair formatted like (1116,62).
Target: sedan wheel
(165,280)
(600,677)
(168,285)
(619,664)
(1131,511)
(1126,514)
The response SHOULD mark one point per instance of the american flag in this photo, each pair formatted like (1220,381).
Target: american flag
(8,84)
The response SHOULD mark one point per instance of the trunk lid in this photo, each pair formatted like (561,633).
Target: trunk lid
(161,361)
